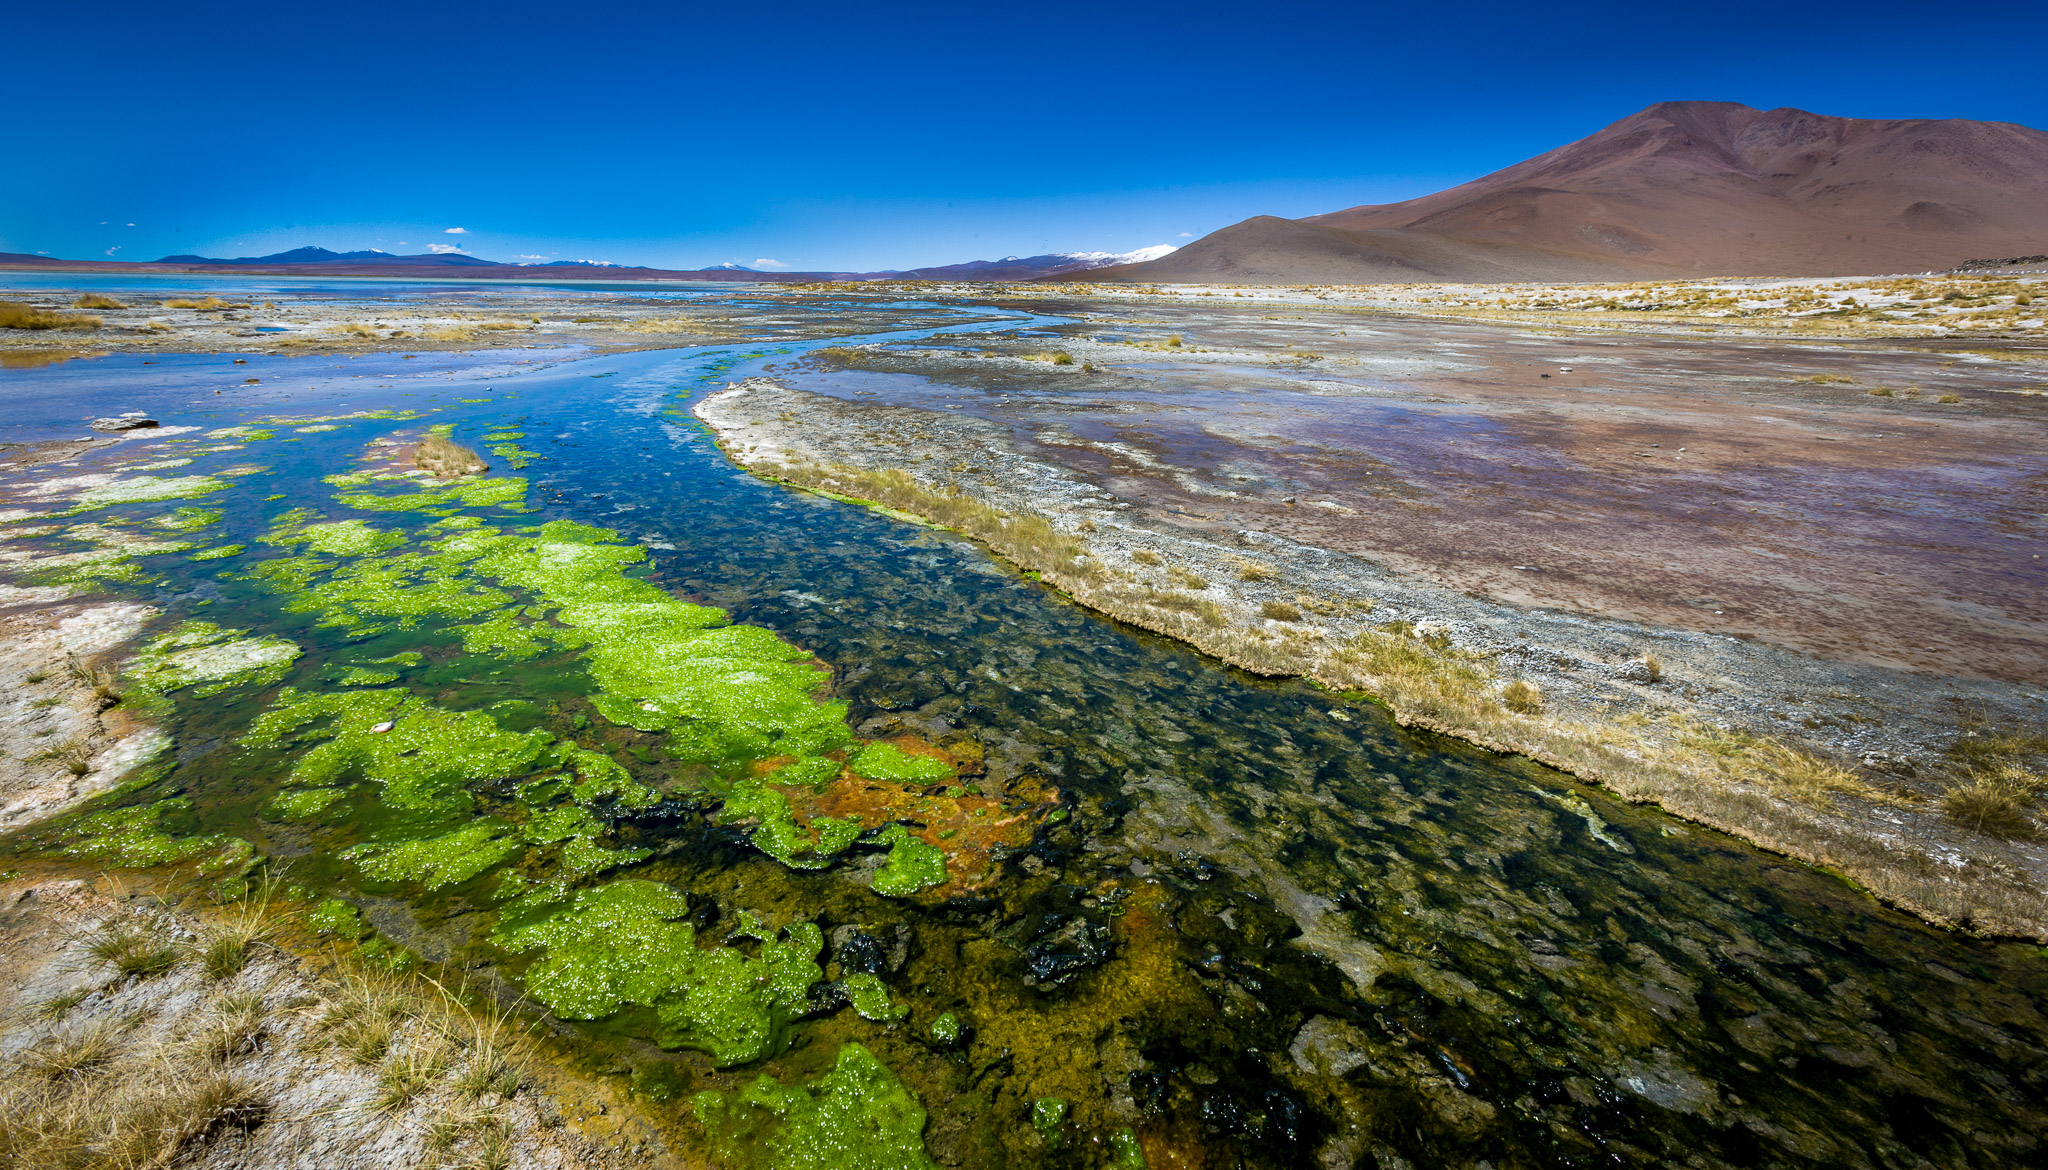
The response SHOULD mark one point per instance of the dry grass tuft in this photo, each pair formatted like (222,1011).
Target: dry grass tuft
(104,1100)
(1146,556)
(97,301)
(446,458)
(205,304)
(131,949)
(1522,697)
(1248,570)
(16,315)
(1280,611)
(225,947)
(1997,803)
(75,1055)
(362,1019)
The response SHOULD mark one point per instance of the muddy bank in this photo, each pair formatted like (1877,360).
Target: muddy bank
(1838,763)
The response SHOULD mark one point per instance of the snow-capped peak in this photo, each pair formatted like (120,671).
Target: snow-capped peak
(1108,259)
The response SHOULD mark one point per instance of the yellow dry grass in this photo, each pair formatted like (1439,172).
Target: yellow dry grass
(19,315)
(446,458)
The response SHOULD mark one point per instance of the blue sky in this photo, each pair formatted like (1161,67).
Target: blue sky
(864,136)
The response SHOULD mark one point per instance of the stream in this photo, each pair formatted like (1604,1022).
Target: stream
(1234,921)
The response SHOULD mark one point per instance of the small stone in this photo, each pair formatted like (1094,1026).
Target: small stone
(127,422)
(384,726)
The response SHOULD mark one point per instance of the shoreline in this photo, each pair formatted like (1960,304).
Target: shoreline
(1437,659)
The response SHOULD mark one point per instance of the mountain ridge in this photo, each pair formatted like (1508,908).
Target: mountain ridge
(1680,189)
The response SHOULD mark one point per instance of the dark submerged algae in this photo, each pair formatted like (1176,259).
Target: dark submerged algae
(1237,931)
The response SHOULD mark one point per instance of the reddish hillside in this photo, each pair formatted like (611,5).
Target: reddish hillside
(1681,189)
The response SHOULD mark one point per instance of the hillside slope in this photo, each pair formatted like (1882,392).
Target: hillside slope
(1680,189)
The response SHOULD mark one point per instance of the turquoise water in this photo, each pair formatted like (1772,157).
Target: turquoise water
(1266,926)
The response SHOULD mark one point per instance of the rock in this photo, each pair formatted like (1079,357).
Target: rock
(1328,1046)
(127,422)
(1064,953)
(1636,670)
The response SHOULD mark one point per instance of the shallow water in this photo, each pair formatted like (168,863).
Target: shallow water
(1274,930)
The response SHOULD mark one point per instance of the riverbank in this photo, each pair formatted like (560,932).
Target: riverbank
(143,1026)
(1838,762)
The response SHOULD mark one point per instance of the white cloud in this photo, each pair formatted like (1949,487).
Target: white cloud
(764,262)
(1187,235)
(114,249)
(455,231)
(445,250)
(131,225)
(530,257)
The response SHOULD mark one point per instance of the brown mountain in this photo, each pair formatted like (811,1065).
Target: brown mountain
(1680,189)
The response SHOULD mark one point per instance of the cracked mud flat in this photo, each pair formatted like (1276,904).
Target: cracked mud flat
(1264,925)
(1852,575)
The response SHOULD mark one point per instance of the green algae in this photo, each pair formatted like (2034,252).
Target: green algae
(338,918)
(515,456)
(1047,1115)
(146,489)
(426,760)
(598,778)
(1124,1151)
(886,761)
(348,538)
(624,943)
(503,635)
(363,676)
(498,491)
(870,998)
(583,857)
(296,804)
(912,865)
(807,846)
(209,659)
(437,862)
(243,432)
(947,1029)
(858,1116)
(131,838)
(188,518)
(215,554)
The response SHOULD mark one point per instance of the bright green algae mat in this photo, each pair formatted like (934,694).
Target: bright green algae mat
(430,779)
(624,943)
(858,1116)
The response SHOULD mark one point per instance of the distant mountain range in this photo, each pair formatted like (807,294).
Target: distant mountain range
(373,262)
(1682,189)
(1037,267)
(323,256)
